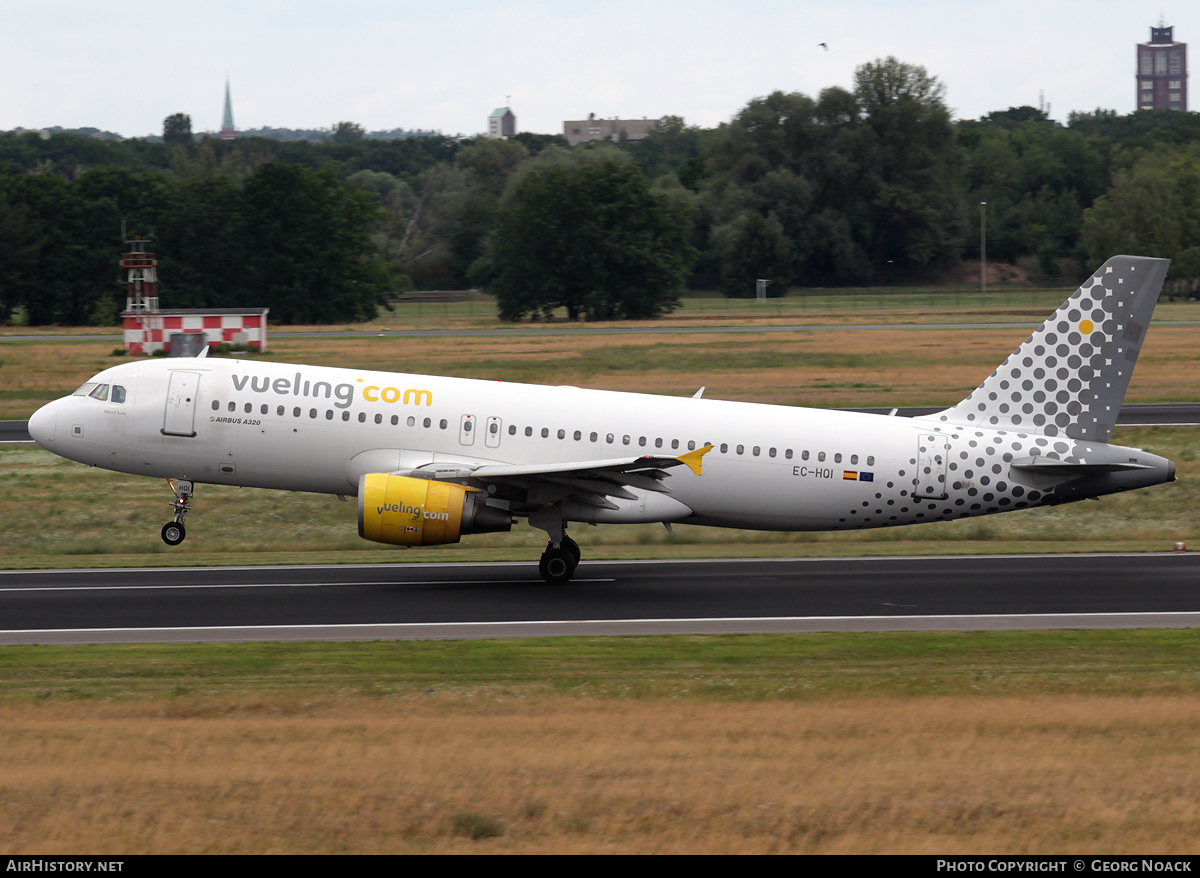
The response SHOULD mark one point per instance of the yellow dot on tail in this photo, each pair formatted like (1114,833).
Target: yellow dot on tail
(1086,327)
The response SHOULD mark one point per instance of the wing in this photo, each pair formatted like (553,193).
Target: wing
(590,482)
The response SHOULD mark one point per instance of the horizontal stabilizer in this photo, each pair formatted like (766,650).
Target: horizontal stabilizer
(1053,467)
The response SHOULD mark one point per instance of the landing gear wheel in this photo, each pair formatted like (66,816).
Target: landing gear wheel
(173,533)
(573,547)
(557,566)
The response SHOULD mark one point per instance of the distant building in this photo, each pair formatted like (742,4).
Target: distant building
(592,128)
(1162,71)
(502,123)
(228,132)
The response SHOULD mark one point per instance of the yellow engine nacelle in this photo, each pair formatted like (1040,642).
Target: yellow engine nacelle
(422,512)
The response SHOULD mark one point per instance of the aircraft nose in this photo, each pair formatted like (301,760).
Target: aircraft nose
(42,424)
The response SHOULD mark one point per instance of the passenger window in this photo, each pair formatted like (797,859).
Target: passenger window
(233,407)
(804,455)
(493,428)
(442,423)
(100,393)
(837,458)
(624,440)
(691,445)
(609,438)
(312,413)
(264,410)
(724,448)
(329,414)
(512,429)
(562,434)
(854,460)
(249,408)
(395,420)
(362,417)
(279,411)
(412,422)
(642,441)
(296,412)
(821,455)
(771,452)
(658,443)
(427,422)
(545,432)
(216,405)
(529,431)
(578,435)
(346,416)
(741,449)
(466,426)
(675,443)
(118,393)
(594,437)
(756,450)
(871,460)
(788,454)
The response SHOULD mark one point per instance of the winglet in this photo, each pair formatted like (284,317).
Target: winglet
(693,458)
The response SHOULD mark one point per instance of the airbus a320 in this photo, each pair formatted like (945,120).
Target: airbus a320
(432,459)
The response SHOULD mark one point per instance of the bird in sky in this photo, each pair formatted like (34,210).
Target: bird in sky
(823,46)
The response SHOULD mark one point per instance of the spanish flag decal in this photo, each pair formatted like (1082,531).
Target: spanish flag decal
(849,475)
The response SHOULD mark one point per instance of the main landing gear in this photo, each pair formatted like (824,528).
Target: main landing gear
(561,557)
(558,563)
(173,531)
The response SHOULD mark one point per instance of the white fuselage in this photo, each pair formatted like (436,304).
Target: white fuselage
(318,429)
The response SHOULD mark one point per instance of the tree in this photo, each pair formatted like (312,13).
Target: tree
(177,129)
(755,249)
(916,211)
(1015,115)
(1152,209)
(308,253)
(584,230)
(347,132)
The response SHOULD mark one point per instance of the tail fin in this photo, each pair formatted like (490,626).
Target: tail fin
(1070,377)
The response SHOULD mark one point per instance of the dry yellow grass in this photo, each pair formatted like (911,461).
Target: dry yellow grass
(837,368)
(548,774)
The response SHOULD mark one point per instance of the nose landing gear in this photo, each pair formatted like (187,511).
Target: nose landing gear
(173,531)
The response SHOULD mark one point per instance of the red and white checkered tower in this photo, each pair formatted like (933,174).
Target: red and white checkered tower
(141,296)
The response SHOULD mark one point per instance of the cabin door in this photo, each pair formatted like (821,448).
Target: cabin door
(933,451)
(179,418)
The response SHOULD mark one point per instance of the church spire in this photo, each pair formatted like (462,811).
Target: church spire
(228,132)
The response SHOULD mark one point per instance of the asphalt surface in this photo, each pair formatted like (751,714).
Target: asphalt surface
(426,601)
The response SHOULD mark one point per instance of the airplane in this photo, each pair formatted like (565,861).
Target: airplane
(431,459)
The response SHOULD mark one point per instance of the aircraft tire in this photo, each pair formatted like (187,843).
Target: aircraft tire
(557,566)
(573,547)
(173,533)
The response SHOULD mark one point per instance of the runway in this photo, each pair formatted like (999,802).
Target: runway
(428,601)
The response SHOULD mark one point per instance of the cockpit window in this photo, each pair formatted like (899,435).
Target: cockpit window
(118,393)
(85,390)
(101,392)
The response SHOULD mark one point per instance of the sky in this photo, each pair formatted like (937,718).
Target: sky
(444,66)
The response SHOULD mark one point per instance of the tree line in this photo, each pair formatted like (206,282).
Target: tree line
(868,185)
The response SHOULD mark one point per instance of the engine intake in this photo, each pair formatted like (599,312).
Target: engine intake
(405,511)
